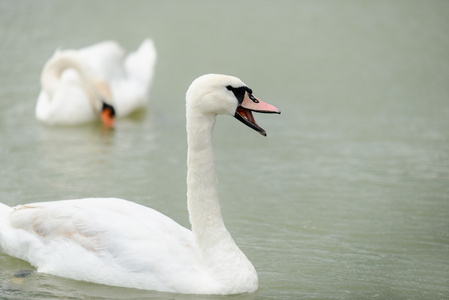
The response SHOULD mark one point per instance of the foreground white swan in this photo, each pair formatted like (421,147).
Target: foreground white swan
(78,85)
(117,242)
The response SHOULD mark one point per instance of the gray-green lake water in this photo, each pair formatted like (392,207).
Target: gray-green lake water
(347,197)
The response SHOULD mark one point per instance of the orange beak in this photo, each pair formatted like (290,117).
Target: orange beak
(108,115)
(250,104)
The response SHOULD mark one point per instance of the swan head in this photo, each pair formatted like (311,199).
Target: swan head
(107,115)
(104,98)
(218,94)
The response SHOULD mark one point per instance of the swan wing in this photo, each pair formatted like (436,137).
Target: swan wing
(109,241)
(132,90)
(105,59)
(139,65)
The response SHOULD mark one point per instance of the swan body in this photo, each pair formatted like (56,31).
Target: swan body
(76,84)
(121,243)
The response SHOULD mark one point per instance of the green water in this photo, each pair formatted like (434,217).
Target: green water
(347,197)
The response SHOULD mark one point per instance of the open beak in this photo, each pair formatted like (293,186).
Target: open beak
(252,104)
(108,115)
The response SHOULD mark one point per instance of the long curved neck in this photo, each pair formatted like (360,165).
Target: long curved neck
(229,266)
(55,67)
(202,191)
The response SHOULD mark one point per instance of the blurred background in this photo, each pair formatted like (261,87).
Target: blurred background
(347,197)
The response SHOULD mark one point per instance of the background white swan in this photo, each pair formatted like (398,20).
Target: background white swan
(77,85)
(117,242)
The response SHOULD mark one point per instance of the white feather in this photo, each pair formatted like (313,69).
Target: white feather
(117,242)
(74,82)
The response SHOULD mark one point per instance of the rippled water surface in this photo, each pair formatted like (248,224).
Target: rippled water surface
(347,197)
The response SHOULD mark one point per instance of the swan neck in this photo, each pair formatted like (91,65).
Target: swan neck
(54,69)
(217,248)
(202,190)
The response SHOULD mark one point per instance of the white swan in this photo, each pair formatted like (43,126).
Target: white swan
(100,81)
(120,243)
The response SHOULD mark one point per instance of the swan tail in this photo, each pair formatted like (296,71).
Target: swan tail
(5,231)
(5,210)
(140,64)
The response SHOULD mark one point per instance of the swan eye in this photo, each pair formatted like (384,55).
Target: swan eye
(239,92)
